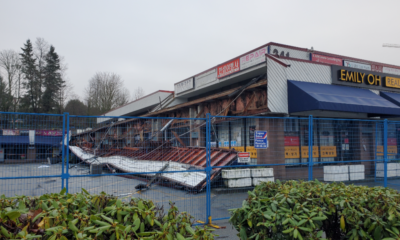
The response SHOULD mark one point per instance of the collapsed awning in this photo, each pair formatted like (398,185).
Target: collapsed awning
(305,96)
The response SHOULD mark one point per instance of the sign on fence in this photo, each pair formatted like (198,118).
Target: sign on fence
(243,157)
(8,132)
(260,140)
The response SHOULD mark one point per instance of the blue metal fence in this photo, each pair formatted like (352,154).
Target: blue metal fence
(190,161)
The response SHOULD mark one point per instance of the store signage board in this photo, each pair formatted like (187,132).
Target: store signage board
(326,59)
(292,141)
(244,157)
(304,152)
(184,85)
(392,82)
(206,78)
(394,71)
(54,133)
(229,68)
(376,68)
(289,52)
(365,79)
(357,65)
(328,151)
(9,132)
(253,58)
(292,152)
(260,139)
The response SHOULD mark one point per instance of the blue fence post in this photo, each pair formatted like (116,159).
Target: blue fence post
(67,166)
(63,153)
(385,159)
(310,147)
(208,169)
(376,148)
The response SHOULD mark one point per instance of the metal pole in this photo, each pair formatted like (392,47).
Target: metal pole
(376,148)
(385,159)
(310,148)
(63,154)
(67,173)
(208,169)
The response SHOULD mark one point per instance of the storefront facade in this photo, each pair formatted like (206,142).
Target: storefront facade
(287,84)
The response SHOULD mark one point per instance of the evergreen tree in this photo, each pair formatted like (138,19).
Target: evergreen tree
(31,99)
(52,81)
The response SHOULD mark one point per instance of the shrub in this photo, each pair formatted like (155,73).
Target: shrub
(84,216)
(307,210)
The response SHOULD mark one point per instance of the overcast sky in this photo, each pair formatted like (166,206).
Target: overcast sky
(154,44)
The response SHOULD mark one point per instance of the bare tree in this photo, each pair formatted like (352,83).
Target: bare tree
(105,92)
(66,91)
(138,93)
(11,65)
(40,51)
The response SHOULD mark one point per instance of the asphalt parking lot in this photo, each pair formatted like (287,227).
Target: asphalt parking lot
(193,203)
(38,184)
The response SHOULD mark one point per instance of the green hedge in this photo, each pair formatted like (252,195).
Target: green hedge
(312,210)
(84,216)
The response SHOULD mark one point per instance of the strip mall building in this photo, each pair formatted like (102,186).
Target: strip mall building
(282,81)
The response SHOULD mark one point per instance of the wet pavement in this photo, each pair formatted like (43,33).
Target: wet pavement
(193,203)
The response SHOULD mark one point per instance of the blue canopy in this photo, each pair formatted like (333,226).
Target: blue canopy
(39,140)
(392,97)
(305,96)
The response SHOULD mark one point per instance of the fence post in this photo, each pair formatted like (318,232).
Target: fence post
(385,159)
(63,152)
(310,147)
(208,169)
(67,166)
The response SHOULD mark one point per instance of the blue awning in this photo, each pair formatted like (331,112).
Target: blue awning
(304,96)
(24,140)
(392,97)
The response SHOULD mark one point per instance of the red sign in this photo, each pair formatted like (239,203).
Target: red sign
(376,68)
(326,59)
(48,133)
(292,141)
(392,141)
(244,154)
(229,68)
(243,157)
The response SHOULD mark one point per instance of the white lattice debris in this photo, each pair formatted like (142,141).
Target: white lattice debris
(145,167)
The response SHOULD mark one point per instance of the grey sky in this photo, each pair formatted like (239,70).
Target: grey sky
(154,44)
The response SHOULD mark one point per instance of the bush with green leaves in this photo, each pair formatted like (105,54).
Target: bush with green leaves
(315,210)
(84,216)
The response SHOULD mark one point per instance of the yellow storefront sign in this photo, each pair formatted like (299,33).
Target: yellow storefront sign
(292,152)
(304,152)
(252,151)
(328,151)
(392,82)
(392,150)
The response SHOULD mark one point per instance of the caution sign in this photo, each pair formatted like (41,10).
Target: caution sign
(292,152)
(244,157)
(328,151)
(304,152)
